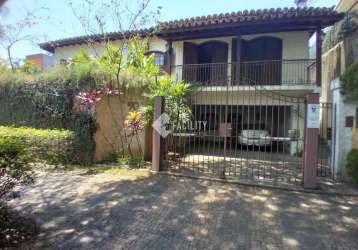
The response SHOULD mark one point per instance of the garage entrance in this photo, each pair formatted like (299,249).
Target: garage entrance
(248,131)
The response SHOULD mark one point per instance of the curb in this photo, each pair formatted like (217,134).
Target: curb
(260,185)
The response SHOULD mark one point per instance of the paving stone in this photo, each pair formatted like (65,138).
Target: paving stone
(78,211)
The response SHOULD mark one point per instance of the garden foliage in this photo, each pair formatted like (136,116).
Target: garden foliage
(352,165)
(51,146)
(63,98)
(350,82)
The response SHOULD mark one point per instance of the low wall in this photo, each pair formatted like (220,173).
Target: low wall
(110,116)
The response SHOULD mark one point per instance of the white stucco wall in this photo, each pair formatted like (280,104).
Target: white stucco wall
(342,135)
(155,44)
(295,46)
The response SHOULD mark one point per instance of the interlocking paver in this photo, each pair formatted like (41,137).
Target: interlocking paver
(78,211)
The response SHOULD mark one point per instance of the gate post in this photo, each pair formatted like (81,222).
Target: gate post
(157,152)
(311,141)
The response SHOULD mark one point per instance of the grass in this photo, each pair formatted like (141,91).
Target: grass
(110,169)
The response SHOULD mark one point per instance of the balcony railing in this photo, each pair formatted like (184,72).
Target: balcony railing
(275,72)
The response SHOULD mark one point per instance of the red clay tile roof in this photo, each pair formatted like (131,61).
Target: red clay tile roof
(51,45)
(325,16)
(247,16)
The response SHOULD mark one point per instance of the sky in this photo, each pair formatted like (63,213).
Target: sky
(57,21)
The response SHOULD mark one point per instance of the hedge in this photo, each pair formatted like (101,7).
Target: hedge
(51,146)
(352,165)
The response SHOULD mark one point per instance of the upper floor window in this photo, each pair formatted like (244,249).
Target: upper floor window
(159,57)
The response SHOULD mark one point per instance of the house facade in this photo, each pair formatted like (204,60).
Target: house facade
(253,70)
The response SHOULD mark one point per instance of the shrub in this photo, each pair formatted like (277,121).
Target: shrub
(350,82)
(14,163)
(15,228)
(52,146)
(126,160)
(352,164)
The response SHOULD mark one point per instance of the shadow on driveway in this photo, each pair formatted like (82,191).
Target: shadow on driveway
(161,212)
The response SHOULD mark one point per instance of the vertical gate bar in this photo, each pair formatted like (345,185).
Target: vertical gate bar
(157,156)
(231,163)
(265,157)
(248,124)
(321,136)
(279,135)
(223,172)
(284,156)
(334,132)
(216,127)
(192,156)
(301,138)
(203,135)
(260,167)
(243,111)
(237,99)
(201,163)
(255,154)
(272,133)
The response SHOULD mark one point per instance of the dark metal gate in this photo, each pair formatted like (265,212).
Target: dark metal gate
(325,165)
(243,130)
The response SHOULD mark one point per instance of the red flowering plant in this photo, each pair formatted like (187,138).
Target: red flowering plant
(87,99)
(133,125)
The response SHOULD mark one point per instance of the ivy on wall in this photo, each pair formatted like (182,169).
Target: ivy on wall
(350,83)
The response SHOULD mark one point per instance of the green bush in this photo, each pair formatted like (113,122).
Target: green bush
(52,146)
(126,160)
(350,82)
(14,160)
(14,164)
(45,101)
(352,164)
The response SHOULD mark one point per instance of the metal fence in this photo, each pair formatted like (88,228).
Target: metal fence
(254,134)
(270,72)
(326,133)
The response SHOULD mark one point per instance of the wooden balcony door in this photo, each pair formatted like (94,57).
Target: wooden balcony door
(206,62)
(261,60)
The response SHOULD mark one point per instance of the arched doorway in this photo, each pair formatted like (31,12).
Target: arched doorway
(261,60)
(206,62)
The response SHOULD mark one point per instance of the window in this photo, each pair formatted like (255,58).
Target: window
(158,57)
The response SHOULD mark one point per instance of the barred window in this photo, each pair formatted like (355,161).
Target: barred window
(158,57)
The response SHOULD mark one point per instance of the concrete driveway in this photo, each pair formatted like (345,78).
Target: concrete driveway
(103,211)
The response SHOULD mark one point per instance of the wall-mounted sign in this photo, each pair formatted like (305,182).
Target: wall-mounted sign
(313,116)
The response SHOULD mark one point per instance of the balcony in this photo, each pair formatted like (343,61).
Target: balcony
(272,72)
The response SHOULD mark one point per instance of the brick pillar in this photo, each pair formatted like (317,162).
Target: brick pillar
(157,152)
(311,142)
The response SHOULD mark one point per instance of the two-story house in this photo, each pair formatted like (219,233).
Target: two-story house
(254,71)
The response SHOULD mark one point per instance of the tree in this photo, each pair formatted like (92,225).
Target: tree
(123,60)
(2,2)
(15,33)
(301,3)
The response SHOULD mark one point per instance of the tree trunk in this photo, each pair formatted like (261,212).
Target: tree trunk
(10,59)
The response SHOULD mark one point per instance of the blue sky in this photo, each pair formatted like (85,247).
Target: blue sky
(57,20)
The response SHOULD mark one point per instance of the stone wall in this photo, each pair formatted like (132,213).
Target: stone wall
(110,123)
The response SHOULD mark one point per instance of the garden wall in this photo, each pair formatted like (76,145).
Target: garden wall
(110,123)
